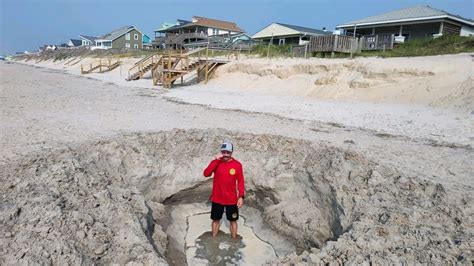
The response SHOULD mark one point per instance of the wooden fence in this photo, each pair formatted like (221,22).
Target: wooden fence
(343,44)
(299,50)
(376,42)
(331,43)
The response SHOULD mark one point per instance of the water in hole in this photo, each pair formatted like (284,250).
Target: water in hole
(203,249)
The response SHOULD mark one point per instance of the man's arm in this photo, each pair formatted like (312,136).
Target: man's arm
(211,167)
(240,182)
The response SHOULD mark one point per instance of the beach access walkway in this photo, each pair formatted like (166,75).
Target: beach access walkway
(167,68)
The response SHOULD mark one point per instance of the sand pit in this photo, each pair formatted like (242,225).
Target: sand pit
(106,202)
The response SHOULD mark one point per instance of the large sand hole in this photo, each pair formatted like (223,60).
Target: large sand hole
(141,198)
(187,225)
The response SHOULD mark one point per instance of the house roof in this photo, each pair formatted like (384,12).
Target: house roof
(419,12)
(111,35)
(182,21)
(117,33)
(281,29)
(165,26)
(214,23)
(90,38)
(76,42)
(206,22)
(178,25)
(303,29)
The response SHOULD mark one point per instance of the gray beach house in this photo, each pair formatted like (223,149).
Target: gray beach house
(412,23)
(128,37)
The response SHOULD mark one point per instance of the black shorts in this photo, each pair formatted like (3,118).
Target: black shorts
(231,211)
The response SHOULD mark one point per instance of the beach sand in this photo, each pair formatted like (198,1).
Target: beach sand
(414,134)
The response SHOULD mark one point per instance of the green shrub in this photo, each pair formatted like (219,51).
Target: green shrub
(447,44)
(273,50)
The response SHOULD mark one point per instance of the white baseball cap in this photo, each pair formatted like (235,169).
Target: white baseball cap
(227,146)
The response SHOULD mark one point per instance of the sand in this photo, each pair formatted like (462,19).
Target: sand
(418,150)
(429,98)
(445,80)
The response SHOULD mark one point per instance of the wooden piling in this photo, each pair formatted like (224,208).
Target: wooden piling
(207,64)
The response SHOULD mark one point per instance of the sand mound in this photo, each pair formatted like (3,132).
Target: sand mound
(105,202)
(438,81)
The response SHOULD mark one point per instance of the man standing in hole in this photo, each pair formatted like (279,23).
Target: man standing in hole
(228,188)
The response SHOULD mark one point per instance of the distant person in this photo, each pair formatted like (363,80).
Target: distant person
(228,188)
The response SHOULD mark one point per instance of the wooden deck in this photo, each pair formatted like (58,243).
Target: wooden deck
(343,44)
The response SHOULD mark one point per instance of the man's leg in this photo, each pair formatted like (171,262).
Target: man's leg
(233,229)
(216,214)
(232,213)
(215,227)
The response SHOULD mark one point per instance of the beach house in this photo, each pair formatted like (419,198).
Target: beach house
(87,40)
(74,43)
(197,32)
(128,37)
(411,23)
(146,42)
(281,34)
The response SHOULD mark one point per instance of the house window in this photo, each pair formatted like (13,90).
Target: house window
(135,46)
(135,36)
(127,37)
(127,45)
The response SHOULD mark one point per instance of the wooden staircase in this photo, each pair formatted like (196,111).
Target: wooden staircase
(143,66)
(201,66)
(102,65)
(167,68)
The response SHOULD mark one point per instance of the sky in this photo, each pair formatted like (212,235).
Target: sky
(28,24)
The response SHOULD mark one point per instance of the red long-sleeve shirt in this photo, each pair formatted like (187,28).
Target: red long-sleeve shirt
(228,180)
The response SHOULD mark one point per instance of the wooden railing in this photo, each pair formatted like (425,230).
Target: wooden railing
(344,44)
(179,38)
(143,64)
(377,42)
(331,43)
(241,45)
(217,41)
(299,50)
(176,65)
(103,65)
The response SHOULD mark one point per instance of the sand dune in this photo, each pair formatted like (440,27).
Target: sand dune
(445,81)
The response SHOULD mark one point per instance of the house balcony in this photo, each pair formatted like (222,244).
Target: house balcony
(185,37)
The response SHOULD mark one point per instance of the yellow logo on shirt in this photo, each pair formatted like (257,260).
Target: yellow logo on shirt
(232,171)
